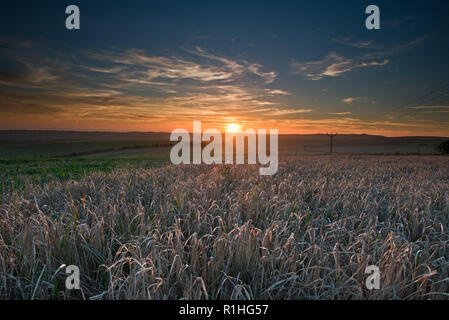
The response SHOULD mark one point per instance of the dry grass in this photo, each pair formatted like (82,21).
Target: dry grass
(205,232)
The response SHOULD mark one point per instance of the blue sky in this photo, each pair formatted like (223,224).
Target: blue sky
(299,66)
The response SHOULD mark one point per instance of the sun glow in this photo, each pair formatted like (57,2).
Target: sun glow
(233,127)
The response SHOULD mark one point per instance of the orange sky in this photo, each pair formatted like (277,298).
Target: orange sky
(342,126)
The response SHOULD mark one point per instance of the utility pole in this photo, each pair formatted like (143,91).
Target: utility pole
(332,135)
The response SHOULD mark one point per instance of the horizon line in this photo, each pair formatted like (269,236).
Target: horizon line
(164,132)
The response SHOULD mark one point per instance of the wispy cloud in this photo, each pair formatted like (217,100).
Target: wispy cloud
(278,92)
(131,85)
(26,75)
(130,88)
(165,68)
(17,42)
(340,113)
(360,44)
(237,66)
(289,112)
(429,107)
(201,66)
(351,100)
(334,65)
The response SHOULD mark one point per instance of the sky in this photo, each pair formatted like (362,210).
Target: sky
(300,67)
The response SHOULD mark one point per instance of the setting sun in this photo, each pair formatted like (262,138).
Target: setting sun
(233,127)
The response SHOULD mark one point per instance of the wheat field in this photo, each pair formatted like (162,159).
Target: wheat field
(224,232)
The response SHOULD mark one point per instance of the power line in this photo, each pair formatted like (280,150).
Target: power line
(424,99)
(432,101)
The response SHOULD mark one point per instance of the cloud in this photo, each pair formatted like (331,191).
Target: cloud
(430,107)
(333,65)
(176,68)
(135,66)
(16,42)
(112,70)
(238,67)
(350,100)
(268,76)
(407,45)
(367,44)
(133,88)
(340,113)
(289,113)
(138,67)
(26,75)
(278,92)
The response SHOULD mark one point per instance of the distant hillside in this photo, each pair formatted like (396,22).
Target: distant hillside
(38,135)
(21,141)
(356,144)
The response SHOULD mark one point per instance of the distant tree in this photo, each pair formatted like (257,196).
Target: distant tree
(443,147)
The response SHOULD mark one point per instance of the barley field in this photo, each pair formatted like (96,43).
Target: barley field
(224,232)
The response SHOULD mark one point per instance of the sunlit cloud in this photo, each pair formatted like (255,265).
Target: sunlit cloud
(429,107)
(340,113)
(278,92)
(132,85)
(333,65)
(237,67)
(351,100)
(130,89)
